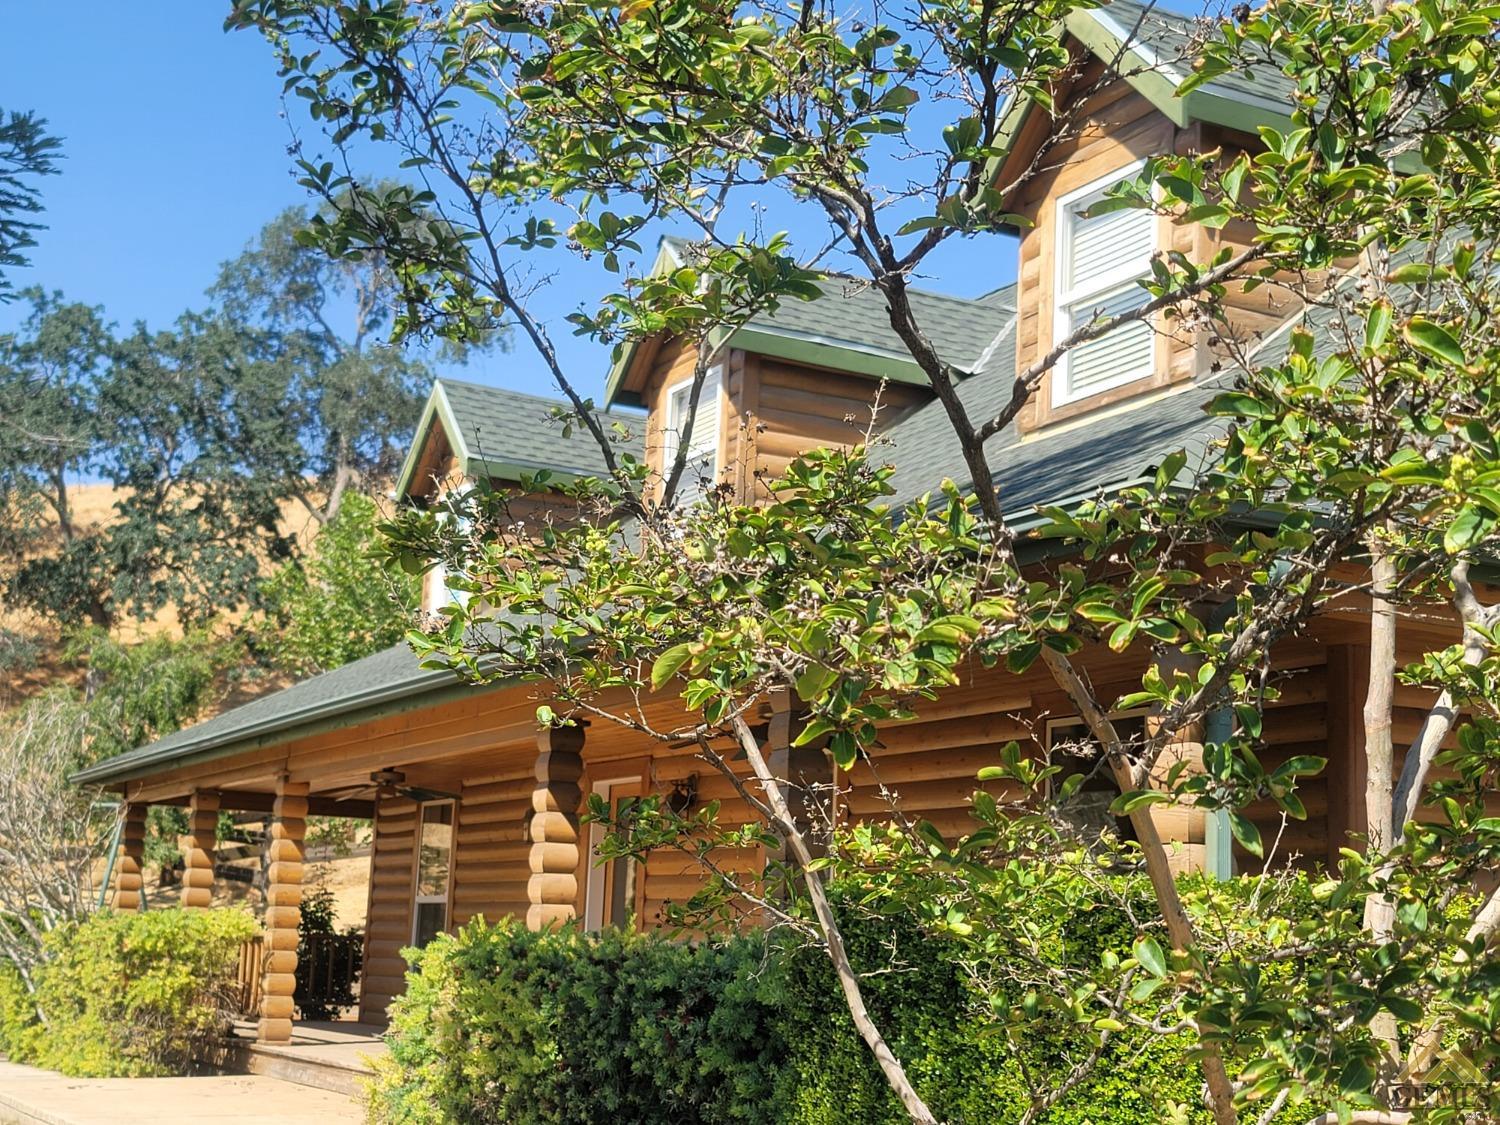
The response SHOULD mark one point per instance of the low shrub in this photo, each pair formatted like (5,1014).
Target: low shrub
(920,993)
(498,1024)
(125,994)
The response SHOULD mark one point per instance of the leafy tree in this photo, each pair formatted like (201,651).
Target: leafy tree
(160,416)
(208,431)
(1375,212)
(27,152)
(340,603)
(48,374)
(349,398)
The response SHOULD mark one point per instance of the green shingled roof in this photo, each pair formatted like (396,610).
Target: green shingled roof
(499,434)
(387,681)
(847,328)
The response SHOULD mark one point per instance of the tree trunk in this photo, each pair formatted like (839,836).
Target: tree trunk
(1380,911)
(890,1066)
(1163,883)
(1379,749)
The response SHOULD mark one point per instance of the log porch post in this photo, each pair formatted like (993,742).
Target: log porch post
(552,889)
(198,852)
(283,911)
(1183,823)
(807,772)
(130,862)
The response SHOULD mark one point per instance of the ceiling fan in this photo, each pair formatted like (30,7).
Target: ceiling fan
(388,784)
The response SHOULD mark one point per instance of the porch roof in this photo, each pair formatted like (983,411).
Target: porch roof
(389,680)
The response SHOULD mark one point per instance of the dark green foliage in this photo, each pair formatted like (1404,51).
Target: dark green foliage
(963,1059)
(27,152)
(125,994)
(498,1024)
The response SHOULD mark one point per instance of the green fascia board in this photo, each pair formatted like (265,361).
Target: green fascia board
(822,351)
(440,409)
(613,396)
(1138,63)
(1158,82)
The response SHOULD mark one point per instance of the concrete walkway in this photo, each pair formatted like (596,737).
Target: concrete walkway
(42,1097)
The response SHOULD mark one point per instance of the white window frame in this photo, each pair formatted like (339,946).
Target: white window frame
(593,891)
(710,410)
(446,898)
(1065,295)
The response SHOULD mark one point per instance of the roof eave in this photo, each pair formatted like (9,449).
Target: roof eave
(823,351)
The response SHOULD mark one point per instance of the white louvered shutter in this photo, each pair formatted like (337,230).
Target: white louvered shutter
(702,464)
(1100,259)
(1122,355)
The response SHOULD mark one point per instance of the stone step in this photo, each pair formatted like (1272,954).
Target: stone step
(292,1064)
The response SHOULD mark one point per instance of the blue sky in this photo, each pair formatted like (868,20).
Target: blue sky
(176,153)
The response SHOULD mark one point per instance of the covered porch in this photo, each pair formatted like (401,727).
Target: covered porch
(474,809)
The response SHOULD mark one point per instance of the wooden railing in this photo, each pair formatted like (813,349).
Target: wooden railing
(248,976)
(328,972)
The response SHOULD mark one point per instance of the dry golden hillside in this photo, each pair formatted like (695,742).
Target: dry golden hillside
(93,505)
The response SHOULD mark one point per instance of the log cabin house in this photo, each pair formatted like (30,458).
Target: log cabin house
(476,811)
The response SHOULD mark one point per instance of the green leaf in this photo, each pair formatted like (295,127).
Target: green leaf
(668,663)
(1432,339)
(814,681)
(813,731)
(1127,803)
(1470,526)
(1244,830)
(1149,953)
(1239,405)
(1378,326)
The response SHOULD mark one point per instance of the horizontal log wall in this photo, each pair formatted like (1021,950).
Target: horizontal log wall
(783,409)
(671,876)
(491,858)
(388,922)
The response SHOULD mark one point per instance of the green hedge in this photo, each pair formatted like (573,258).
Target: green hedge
(125,994)
(498,1024)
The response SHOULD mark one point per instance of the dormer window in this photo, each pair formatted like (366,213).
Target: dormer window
(702,466)
(1099,260)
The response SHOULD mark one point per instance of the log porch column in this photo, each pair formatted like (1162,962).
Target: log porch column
(552,889)
(1182,824)
(130,861)
(807,772)
(283,911)
(198,852)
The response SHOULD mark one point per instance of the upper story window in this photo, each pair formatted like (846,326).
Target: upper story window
(1099,260)
(702,465)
